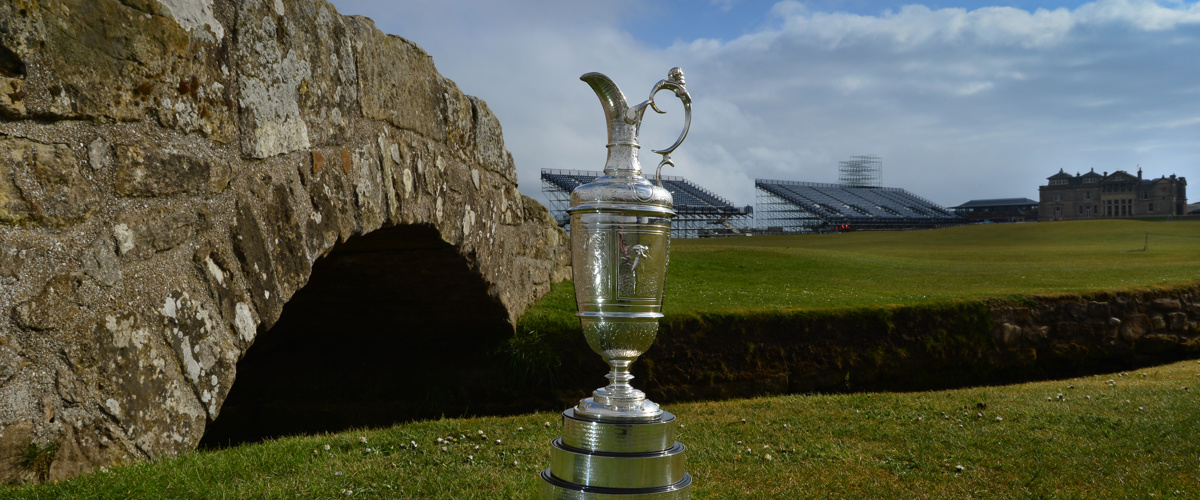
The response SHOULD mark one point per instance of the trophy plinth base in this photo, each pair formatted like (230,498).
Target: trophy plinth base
(610,459)
(600,407)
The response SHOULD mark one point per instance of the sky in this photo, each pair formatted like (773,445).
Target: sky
(961,99)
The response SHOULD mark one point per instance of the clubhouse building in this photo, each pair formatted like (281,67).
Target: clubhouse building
(999,210)
(1101,196)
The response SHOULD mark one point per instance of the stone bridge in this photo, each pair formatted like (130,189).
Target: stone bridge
(198,192)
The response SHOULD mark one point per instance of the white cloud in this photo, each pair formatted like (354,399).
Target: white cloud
(1141,14)
(724,5)
(974,88)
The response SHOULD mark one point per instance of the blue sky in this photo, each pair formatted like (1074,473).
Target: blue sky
(962,100)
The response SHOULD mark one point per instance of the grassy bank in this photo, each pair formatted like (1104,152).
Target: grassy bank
(734,291)
(1107,436)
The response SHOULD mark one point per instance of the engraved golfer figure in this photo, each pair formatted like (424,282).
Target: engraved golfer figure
(639,252)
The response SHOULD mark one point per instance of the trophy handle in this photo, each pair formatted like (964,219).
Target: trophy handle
(674,83)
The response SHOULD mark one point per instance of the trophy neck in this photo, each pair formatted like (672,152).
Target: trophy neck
(623,160)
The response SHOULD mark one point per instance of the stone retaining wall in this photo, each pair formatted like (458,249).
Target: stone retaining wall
(719,355)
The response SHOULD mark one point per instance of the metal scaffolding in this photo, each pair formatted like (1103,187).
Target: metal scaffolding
(861,171)
(556,185)
(700,213)
(799,207)
(775,214)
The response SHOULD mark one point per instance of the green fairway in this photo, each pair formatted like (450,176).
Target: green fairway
(1112,436)
(909,267)
(883,268)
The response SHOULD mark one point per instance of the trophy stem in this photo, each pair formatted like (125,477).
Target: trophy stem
(620,378)
(619,399)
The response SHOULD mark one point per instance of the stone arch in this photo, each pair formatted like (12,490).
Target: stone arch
(391,326)
(158,212)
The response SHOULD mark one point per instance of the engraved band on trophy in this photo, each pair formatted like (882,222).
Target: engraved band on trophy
(617,443)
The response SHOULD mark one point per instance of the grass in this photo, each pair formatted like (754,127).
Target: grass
(890,268)
(1133,437)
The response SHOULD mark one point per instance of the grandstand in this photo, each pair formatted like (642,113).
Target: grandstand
(794,207)
(699,212)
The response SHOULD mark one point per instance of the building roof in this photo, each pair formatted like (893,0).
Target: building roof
(997,202)
(1060,175)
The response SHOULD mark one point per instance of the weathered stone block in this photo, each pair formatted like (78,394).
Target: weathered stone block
(1177,321)
(1007,334)
(1120,306)
(1021,315)
(119,61)
(1166,304)
(41,184)
(140,383)
(1156,343)
(13,256)
(489,142)
(231,298)
(1037,333)
(17,437)
(140,236)
(384,86)
(1076,311)
(297,78)
(1134,327)
(147,171)
(10,358)
(56,306)
(1099,310)
(101,263)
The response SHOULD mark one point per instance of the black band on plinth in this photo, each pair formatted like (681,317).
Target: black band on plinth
(600,490)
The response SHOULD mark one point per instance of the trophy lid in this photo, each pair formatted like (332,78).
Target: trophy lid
(633,194)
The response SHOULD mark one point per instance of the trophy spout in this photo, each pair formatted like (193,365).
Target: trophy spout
(624,120)
(622,133)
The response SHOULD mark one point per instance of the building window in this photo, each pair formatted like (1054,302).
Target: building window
(1080,209)
(1150,207)
(1087,195)
(1057,197)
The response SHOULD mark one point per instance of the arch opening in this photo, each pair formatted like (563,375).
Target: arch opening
(392,326)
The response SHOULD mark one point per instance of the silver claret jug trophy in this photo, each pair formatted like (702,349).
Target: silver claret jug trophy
(617,443)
